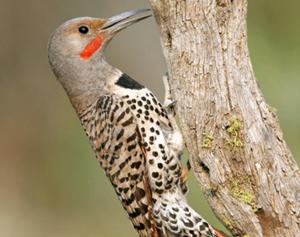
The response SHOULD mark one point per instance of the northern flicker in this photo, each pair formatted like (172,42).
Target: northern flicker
(136,140)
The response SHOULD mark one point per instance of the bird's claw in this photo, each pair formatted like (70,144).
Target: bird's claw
(170,106)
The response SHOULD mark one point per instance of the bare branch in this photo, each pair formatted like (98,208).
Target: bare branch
(235,143)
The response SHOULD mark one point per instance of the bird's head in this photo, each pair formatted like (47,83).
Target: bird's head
(76,47)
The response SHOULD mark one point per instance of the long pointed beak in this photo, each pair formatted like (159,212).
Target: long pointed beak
(125,19)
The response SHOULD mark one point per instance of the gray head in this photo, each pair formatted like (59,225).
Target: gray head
(76,50)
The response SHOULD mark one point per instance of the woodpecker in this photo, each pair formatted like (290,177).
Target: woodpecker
(135,138)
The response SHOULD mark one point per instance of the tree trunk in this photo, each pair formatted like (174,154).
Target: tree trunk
(236,146)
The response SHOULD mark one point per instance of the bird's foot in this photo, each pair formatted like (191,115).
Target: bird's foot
(169,103)
(169,106)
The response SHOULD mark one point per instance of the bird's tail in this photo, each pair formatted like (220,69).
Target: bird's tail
(174,217)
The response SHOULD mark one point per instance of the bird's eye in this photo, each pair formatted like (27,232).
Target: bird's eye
(83,30)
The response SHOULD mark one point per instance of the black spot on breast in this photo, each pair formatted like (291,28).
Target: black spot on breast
(151,161)
(126,81)
(158,183)
(168,186)
(155,175)
(154,101)
(152,138)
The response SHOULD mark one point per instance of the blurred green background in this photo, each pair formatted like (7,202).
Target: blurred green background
(50,183)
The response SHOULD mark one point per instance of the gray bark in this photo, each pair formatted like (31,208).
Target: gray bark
(235,143)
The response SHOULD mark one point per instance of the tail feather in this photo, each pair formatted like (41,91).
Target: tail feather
(174,216)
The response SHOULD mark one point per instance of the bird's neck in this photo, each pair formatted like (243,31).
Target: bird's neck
(96,80)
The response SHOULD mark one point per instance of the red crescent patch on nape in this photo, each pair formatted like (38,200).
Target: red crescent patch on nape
(92,47)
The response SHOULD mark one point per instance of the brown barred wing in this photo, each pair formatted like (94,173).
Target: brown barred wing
(113,133)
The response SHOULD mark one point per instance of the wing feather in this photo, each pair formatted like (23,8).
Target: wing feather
(114,135)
